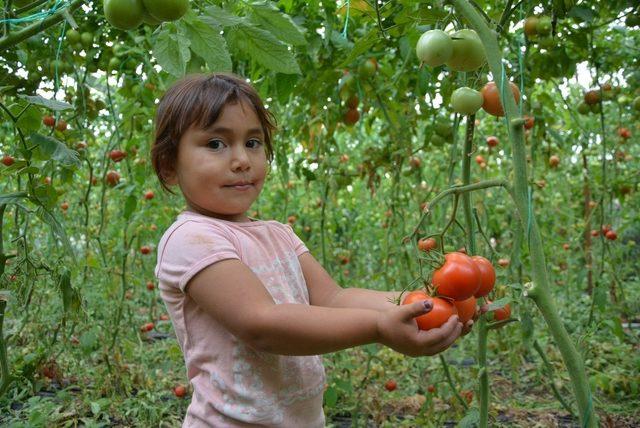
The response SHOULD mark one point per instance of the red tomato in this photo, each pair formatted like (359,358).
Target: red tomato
(611,235)
(8,160)
(624,133)
(145,249)
(49,121)
(431,388)
(427,244)
(61,125)
(595,232)
(391,385)
(487,276)
(458,278)
(466,309)
(440,313)
(117,155)
(179,391)
(112,178)
(148,195)
(491,95)
(147,327)
(503,262)
(150,286)
(492,141)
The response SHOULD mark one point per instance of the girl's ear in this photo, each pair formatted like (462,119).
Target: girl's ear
(170,177)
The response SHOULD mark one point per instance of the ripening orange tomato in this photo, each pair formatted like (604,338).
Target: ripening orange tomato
(487,275)
(466,309)
(491,94)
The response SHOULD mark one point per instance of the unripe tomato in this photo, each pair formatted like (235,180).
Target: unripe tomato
(166,10)
(468,51)
(427,244)
(390,385)
(544,25)
(487,276)
(434,48)
(8,160)
(531,26)
(368,68)
(491,97)
(123,14)
(466,101)
(441,312)
(466,309)
(179,391)
(458,278)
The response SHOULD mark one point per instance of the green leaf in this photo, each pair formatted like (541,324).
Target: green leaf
(46,216)
(498,303)
(330,397)
(222,18)
(277,23)
(264,48)
(12,198)
(172,52)
(362,46)
(50,148)
(130,206)
(30,119)
(208,43)
(47,103)
(470,420)
(70,296)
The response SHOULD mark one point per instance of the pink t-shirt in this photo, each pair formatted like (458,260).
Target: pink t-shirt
(233,384)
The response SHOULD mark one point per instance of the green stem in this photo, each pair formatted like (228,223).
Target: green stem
(540,292)
(550,377)
(13,39)
(447,373)
(4,365)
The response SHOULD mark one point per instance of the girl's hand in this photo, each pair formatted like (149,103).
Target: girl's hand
(398,330)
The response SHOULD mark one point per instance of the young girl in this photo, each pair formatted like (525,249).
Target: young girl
(251,307)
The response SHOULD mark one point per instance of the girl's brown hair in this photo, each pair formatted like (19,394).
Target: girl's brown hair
(198,99)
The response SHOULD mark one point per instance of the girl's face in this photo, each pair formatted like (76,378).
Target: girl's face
(221,169)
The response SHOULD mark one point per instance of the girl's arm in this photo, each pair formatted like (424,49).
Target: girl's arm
(323,290)
(234,296)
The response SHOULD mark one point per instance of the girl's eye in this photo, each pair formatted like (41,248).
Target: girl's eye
(215,144)
(253,143)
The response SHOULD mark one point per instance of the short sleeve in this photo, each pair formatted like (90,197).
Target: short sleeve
(298,246)
(189,248)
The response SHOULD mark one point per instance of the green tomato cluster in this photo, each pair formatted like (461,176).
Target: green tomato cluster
(129,14)
(460,51)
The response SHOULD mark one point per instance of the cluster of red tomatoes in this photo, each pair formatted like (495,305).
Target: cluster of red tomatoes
(458,283)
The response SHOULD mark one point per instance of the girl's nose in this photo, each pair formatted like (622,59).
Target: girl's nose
(240,160)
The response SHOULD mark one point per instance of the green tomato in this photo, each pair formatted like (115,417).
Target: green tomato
(595,108)
(468,51)
(150,20)
(166,10)
(466,101)
(72,36)
(123,14)
(434,48)
(544,25)
(437,140)
(443,128)
(86,39)
(368,69)
(583,108)
(636,104)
